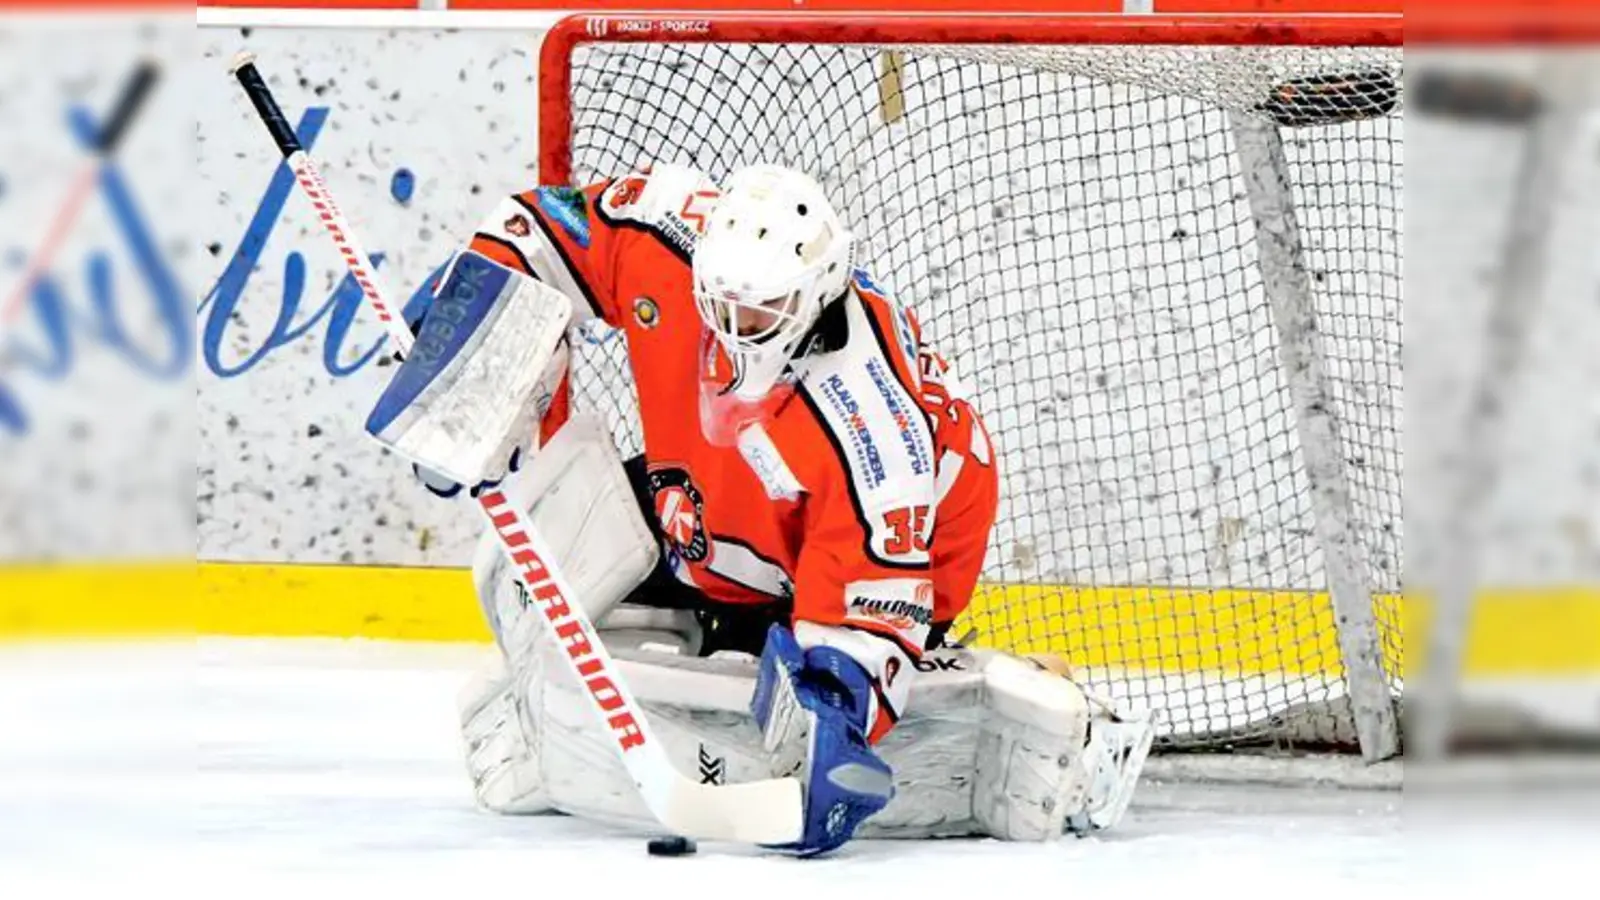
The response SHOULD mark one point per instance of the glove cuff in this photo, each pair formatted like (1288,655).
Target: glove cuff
(880,681)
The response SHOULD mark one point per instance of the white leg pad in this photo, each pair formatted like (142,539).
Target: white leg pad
(1031,770)
(501,758)
(578,497)
(503,738)
(989,745)
(1053,758)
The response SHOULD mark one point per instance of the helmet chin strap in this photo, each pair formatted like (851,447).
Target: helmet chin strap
(751,383)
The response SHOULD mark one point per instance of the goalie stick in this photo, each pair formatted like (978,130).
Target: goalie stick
(759,812)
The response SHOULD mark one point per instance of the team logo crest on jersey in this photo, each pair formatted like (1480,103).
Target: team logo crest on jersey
(680,509)
(518,225)
(646,312)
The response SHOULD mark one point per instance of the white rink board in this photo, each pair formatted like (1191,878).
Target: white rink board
(96,380)
(1543,520)
(286,471)
(271,492)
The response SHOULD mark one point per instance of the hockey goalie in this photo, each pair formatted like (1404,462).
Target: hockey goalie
(778,570)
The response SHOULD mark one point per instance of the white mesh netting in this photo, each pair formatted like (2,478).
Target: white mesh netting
(1072,227)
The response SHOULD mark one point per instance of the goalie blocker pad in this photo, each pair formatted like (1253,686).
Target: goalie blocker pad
(489,357)
(991,745)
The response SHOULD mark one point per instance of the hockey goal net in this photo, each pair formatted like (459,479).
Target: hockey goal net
(1166,254)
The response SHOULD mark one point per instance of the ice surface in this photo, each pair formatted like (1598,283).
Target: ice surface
(250,768)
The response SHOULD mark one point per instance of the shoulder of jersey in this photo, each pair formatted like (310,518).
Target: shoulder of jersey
(669,200)
(902,334)
(877,427)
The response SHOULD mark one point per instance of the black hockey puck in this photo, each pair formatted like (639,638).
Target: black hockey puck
(671,846)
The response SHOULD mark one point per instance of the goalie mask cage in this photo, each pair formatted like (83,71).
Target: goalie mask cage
(1165,255)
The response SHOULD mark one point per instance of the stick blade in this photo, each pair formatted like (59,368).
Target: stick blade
(757,812)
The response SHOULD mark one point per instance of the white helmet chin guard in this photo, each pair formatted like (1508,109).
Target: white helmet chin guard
(772,254)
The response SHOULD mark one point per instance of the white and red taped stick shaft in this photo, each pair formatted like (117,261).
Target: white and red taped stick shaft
(760,812)
(316,190)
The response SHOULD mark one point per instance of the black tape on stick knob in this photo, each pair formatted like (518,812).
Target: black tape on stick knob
(255,87)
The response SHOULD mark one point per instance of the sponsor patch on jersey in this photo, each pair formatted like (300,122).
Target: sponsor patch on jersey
(518,225)
(904,604)
(866,460)
(696,207)
(671,201)
(646,312)
(678,233)
(918,453)
(569,208)
(882,439)
(680,509)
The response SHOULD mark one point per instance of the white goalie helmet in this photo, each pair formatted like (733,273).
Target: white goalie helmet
(772,255)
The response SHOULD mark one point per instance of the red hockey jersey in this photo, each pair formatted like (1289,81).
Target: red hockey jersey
(868,495)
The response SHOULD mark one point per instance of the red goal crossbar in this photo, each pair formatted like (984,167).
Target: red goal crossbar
(555,60)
